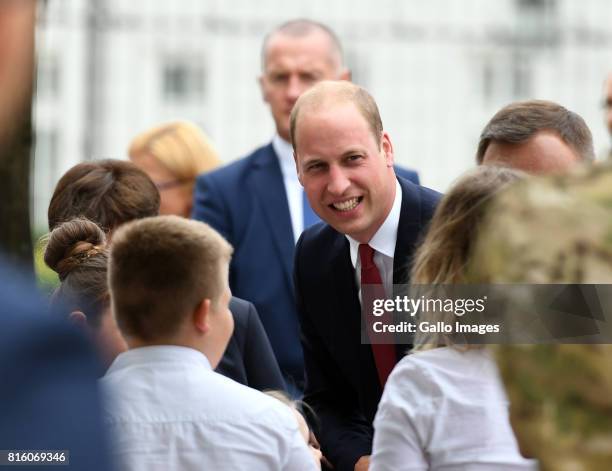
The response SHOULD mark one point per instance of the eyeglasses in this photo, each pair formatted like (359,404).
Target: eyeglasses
(169,184)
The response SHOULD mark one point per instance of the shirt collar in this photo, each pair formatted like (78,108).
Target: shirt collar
(284,152)
(159,354)
(384,239)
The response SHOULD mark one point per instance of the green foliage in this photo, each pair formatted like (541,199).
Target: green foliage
(45,277)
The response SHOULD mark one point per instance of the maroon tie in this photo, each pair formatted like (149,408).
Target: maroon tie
(383,346)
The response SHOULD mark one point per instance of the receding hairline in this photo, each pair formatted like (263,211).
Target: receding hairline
(337,92)
(301,28)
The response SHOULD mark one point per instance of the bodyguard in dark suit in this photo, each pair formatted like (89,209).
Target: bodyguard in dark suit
(257,203)
(345,163)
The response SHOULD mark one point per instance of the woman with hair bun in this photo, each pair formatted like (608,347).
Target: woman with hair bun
(76,251)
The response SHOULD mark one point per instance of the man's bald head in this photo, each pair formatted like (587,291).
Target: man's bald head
(301,28)
(295,56)
(328,93)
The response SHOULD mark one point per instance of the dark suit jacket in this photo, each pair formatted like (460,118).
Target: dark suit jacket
(49,397)
(246,202)
(342,384)
(248,358)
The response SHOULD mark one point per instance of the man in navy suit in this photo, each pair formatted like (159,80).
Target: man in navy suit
(344,160)
(257,203)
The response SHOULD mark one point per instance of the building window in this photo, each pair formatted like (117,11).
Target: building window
(183,80)
(45,172)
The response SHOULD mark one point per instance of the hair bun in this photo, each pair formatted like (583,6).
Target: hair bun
(70,243)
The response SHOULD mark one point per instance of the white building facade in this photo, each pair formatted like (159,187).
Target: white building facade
(439,69)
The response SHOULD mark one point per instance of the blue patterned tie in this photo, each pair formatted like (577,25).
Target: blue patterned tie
(310,217)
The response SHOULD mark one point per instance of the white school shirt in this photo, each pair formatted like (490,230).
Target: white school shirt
(445,409)
(166,409)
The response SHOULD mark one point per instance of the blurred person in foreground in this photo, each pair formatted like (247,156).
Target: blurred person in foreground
(344,160)
(257,202)
(170,295)
(537,137)
(48,399)
(173,155)
(444,406)
(113,192)
(556,230)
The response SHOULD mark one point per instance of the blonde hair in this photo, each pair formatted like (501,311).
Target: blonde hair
(160,268)
(444,253)
(180,146)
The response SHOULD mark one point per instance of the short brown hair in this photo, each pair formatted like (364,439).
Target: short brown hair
(108,192)
(335,92)
(76,251)
(517,122)
(160,269)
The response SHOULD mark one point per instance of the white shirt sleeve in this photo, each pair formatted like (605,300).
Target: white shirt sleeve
(299,457)
(399,428)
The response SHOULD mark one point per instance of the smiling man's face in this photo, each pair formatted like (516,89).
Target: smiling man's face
(347,173)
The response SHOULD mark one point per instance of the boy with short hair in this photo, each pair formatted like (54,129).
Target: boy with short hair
(169,410)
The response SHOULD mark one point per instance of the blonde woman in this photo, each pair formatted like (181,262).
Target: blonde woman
(445,407)
(173,155)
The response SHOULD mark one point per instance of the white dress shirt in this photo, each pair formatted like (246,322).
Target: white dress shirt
(293,188)
(168,410)
(383,243)
(445,409)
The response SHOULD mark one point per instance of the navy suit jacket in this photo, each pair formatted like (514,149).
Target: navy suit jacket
(246,202)
(49,397)
(342,384)
(248,358)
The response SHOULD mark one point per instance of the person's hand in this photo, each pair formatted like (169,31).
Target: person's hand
(315,448)
(363,463)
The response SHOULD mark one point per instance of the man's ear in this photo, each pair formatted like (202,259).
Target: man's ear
(201,315)
(387,148)
(262,86)
(346,75)
(297,168)
(78,318)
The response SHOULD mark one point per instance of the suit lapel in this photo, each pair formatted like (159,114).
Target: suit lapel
(267,185)
(343,278)
(408,234)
